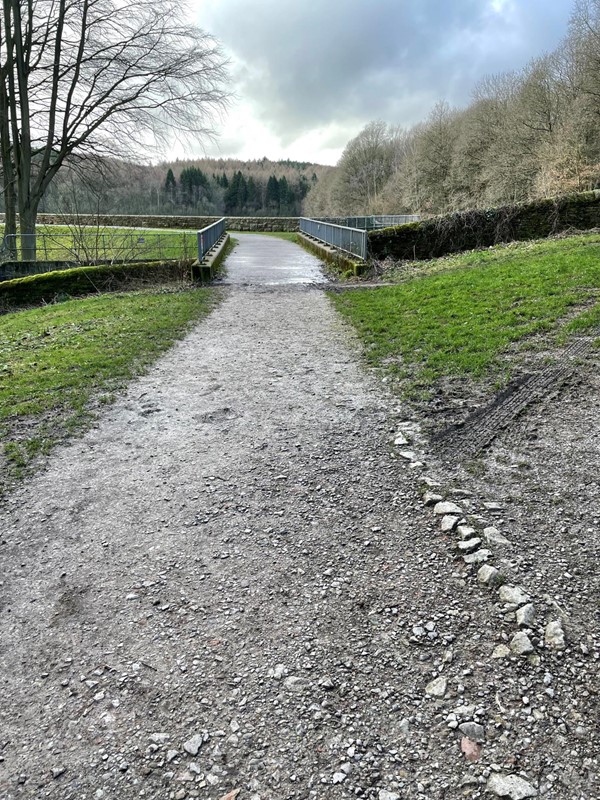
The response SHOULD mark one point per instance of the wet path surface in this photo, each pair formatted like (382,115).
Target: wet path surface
(270,261)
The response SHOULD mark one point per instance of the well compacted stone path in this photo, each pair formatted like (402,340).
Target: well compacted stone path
(232,583)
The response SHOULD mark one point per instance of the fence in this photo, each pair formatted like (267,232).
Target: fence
(350,240)
(373,222)
(102,245)
(209,236)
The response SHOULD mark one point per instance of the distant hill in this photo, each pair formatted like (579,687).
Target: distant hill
(199,186)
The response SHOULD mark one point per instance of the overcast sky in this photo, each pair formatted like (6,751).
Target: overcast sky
(309,74)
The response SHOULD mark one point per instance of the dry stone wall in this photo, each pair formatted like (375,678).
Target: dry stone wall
(287,224)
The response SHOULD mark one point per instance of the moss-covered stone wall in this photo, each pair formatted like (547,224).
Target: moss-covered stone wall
(44,288)
(468,230)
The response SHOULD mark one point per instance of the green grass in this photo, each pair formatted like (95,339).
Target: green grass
(60,362)
(458,315)
(289,236)
(87,244)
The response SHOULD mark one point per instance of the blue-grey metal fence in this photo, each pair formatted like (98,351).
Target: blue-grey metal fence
(209,236)
(350,240)
(373,222)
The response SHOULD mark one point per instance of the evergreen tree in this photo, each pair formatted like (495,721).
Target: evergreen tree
(253,195)
(236,195)
(195,186)
(272,195)
(170,183)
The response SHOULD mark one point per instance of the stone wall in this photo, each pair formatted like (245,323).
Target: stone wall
(287,224)
(469,230)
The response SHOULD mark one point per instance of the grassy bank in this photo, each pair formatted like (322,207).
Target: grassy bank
(456,316)
(59,363)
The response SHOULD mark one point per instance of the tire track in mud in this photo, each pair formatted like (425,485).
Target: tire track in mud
(479,429)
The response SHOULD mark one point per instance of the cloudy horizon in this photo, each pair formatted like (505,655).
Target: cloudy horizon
(308,78)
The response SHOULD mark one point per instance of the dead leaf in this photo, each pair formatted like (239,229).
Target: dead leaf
(471,749)
(231,795)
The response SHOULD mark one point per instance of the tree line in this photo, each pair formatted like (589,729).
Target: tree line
(526,134)
(236,194)
(202,187)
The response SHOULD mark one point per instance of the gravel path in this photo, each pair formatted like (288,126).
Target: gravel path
(233,583)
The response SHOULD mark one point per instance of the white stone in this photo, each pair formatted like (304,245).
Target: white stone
(430,498)
(493,536)
(437,687)
(511,786)
(468,545)
(513,595)
(526,615)
(449,522)
(400,440)
(521,644)
(466,531)
(554,636)
(489,576)
(193,745)
(478,557)
(407,455)
(447,508)
(385,795)
(492,506)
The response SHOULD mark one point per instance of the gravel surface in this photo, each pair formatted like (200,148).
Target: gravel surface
(235,582)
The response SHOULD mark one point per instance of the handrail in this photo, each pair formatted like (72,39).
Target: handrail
(350,240)
(209,236)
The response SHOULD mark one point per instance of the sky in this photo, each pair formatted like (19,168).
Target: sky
(308,75)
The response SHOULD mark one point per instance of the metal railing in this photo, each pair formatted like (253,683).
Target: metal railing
(373,222)
(209,236)
(350,240)
(43,250)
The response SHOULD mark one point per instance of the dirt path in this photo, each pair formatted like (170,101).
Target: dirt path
(232,583)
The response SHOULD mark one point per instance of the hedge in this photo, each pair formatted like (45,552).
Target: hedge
(47,286)
(469,230)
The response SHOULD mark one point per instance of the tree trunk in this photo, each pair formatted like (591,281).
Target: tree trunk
(10,214)
(8,176)
(27,220)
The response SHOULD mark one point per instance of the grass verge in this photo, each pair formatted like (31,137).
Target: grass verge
(289,236)
(460,314)
(60,363)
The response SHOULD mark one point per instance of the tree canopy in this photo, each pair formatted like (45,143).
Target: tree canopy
(97,78)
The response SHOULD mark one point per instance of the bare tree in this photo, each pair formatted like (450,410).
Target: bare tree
(364,168)
(101,77)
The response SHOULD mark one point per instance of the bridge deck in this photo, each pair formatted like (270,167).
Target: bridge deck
(270,261)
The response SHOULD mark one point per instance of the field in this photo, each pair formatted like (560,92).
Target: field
(458,316)
(85,244)
(60,362)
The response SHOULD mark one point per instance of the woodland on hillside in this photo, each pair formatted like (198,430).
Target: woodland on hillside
(204,187)
(526,134)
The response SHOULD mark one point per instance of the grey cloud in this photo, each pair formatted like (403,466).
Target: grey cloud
(310,64)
